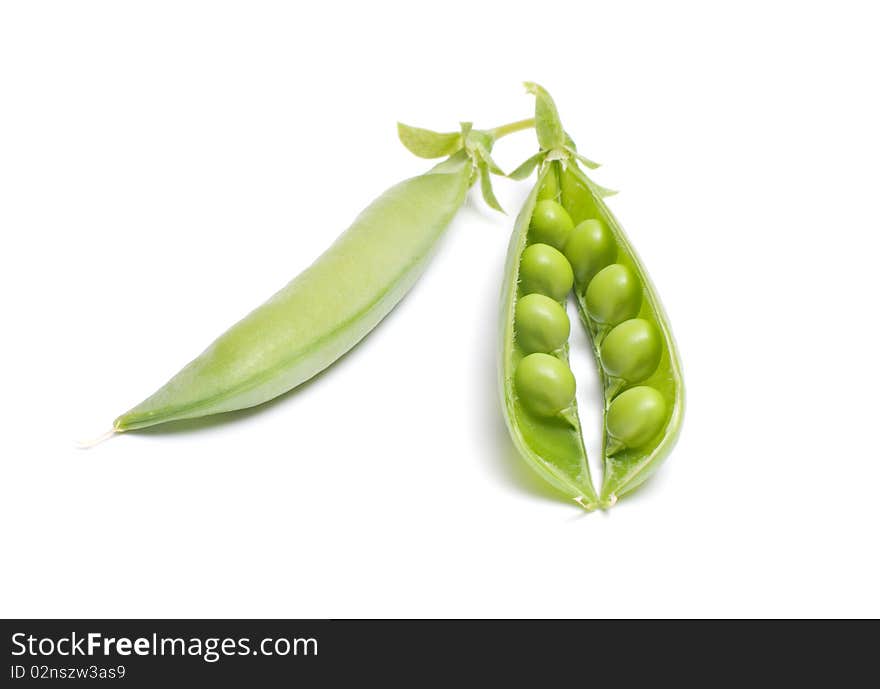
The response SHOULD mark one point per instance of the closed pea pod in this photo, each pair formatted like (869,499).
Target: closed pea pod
(337,300)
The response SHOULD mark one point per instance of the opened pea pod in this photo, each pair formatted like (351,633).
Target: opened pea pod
(583,249)
(341,297)
(537,385)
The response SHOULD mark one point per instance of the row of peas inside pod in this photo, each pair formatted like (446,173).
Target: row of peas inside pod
(554,254)
(629,347)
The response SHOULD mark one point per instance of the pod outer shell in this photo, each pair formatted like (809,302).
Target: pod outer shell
(627,470)
(324,311)
(557,452)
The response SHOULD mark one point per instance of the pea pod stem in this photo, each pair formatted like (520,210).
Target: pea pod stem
(512,127)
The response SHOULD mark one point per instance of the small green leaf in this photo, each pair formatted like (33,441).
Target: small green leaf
(524,170)
(598,190)
(547,124)
(427,144)
(493,167)
(486,187)
(586,161)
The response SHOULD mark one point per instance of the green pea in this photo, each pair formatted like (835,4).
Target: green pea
(614,295)
(545,384)
(632,350)
(635,416)
(545,270)
(542,324)
(551,224)
(590,247)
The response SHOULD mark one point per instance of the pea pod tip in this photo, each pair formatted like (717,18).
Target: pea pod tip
(587,504)
(88,444)
(608,503)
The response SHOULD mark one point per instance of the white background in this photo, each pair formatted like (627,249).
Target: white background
(166,166)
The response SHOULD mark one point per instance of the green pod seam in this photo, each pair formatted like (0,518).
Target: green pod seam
(554,447)
(324,311)
(625,469)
